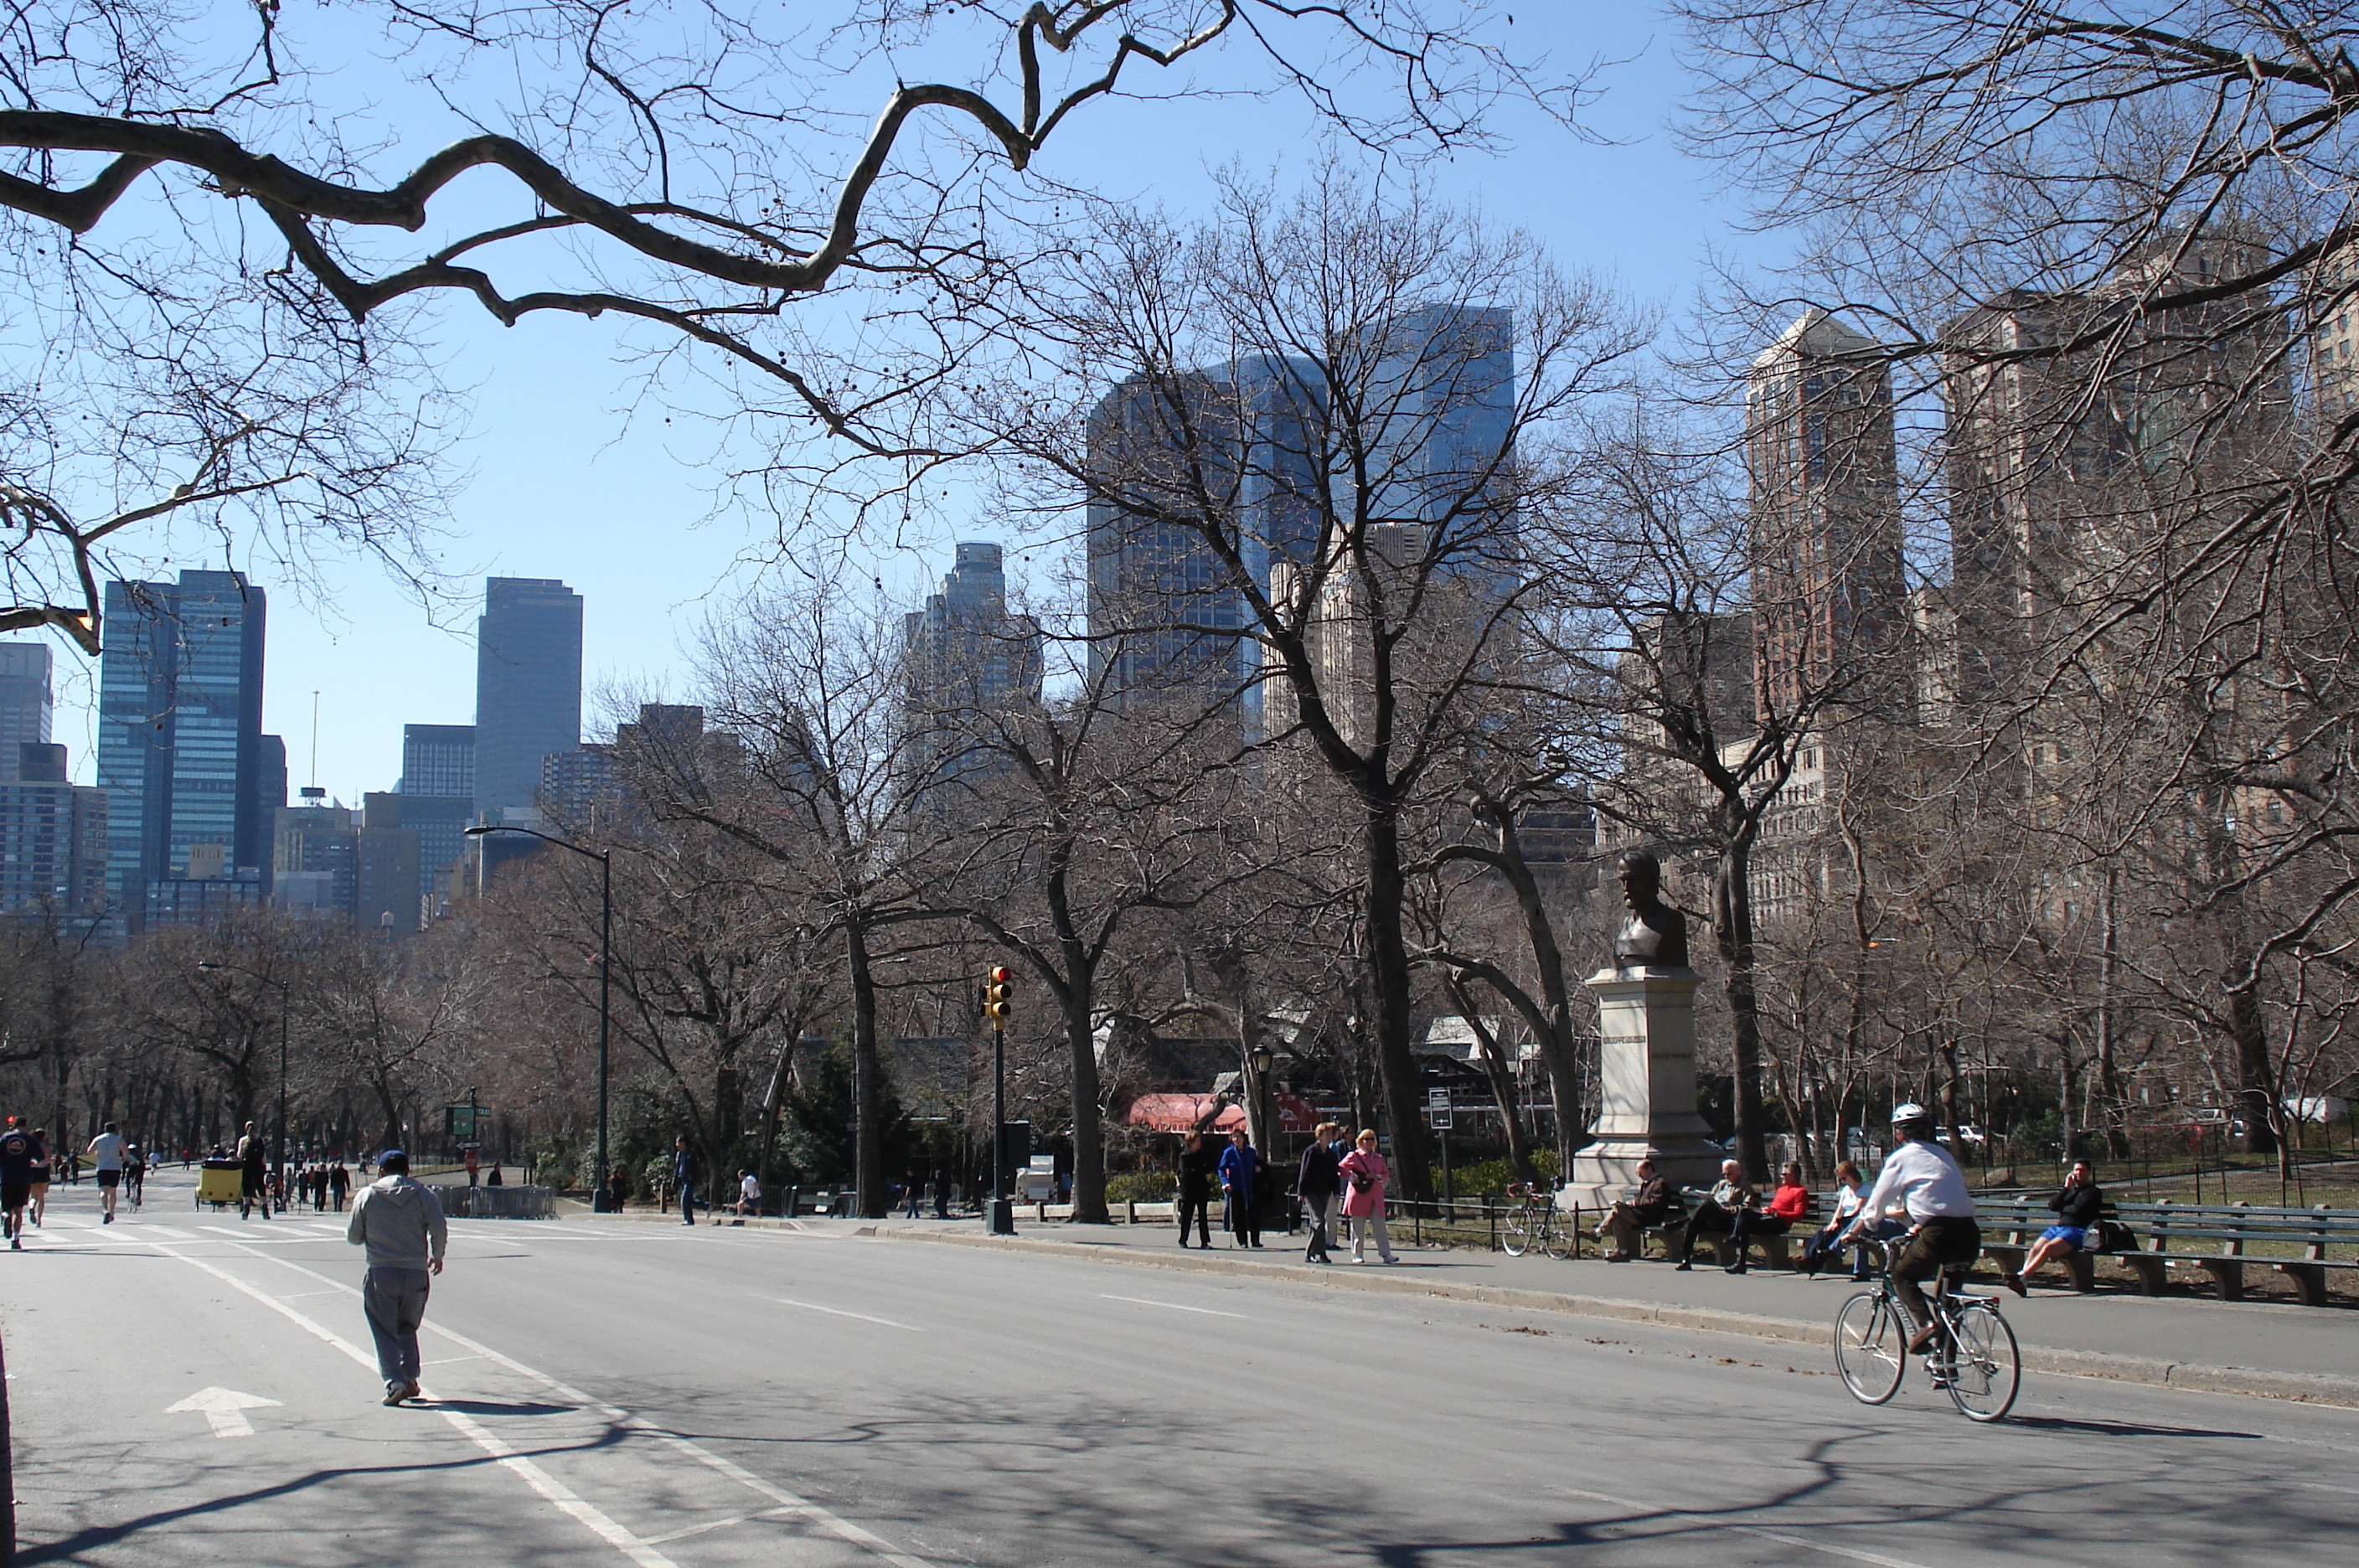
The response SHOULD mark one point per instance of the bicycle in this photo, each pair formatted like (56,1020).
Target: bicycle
(1534,1219)
(1972,1356)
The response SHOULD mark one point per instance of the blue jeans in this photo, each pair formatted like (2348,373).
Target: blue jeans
(687,1202)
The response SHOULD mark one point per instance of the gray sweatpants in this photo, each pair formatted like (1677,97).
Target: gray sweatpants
(396,1299)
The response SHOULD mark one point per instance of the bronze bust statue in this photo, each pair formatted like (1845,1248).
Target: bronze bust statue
(1656,936)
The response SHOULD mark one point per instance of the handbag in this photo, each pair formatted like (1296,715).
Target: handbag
(2115,1236)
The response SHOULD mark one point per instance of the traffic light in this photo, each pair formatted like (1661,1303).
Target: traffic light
(996,1004)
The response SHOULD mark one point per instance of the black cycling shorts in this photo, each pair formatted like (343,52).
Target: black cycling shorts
(110,1178)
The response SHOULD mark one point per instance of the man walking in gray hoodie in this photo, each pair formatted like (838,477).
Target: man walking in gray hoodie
(400,1223)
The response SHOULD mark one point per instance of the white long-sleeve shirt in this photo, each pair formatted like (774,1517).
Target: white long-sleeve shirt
(1922,1178)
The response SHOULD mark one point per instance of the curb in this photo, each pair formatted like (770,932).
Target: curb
(2297,1387)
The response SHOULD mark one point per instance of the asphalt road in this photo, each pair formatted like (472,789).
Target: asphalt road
(608,1392)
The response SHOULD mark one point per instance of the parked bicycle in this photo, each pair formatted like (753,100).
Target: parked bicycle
(1972,1356)
(1533,1218)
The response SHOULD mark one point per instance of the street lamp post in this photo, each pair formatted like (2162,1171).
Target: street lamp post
(278,1153)
(599,1200)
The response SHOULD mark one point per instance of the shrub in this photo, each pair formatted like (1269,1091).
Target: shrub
(1141,1187)
(1491,1176)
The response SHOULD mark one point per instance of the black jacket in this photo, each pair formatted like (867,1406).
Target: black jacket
(1319,1177)
(1196,1171)
(2079,1205)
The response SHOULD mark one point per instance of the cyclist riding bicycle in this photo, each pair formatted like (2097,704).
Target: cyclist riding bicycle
(1922,1177)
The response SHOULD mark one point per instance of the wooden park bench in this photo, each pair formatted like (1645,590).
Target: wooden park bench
(2165,1228)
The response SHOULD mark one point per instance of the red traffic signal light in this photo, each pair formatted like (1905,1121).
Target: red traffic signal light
(995,995)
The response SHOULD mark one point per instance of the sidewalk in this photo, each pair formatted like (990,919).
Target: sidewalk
(2262,1349)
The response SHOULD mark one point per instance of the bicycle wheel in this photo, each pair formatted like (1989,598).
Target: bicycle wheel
(1562,1237)
(1986,1371)
(1515,1236)
(1870,1347)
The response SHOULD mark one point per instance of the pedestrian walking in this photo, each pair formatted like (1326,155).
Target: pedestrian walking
(1366,1175)
(18,1153)
(254,1189)
(339,1183)
(400,1222)
(496,1179)
(1195,1189)
(107,1154)
(1318,1183)
(618,1187)
(687,1170)
(917,1192)
(1237,1166)
(474,1167)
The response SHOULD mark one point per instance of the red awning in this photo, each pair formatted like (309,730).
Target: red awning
(1184,1112)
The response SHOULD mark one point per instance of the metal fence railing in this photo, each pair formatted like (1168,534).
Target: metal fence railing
(517,1202)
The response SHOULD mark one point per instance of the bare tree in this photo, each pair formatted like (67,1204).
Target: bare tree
(1305,436)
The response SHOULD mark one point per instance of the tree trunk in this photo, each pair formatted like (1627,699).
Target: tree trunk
(867,1137)
(1733,936)
(1502,1082)
(2254,1079)
(1089,1128)
(1388,978)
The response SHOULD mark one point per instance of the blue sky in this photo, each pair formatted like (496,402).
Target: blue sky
(569,481)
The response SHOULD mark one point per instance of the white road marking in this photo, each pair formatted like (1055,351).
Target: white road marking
(787,1502)
(532,1474)
(224,1230)
(225,1408)
(1144,1302)
(712,1524)
(1719,1523)
(167,1231)
(840,1313)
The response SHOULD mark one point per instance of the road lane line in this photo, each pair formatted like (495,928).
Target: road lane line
(550,1487)
(787,1502)
(532,1474)
(167,1231)
(1146,1302)
(712,1524)
(840,1313)
(1717,1522)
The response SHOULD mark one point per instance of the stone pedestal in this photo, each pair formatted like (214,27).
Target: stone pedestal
(1646,1084)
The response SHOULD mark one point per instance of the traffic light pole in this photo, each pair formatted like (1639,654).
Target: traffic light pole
(1003,1209)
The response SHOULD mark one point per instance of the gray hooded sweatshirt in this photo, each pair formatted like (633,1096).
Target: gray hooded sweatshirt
(398,1220)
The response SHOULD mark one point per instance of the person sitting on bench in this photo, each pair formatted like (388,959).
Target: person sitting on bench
(1650,1207)
(2078,1204)
(1789,1202)
(1822,1248)
(1716,1215)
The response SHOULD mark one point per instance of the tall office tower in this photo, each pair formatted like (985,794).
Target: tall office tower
(1165,615)
(316,859)
(1441,388)
(438,799)
(180,750)
(25,703)
(1829,607)
(1281,413)
(962,657)
(52,837)
(527,686)
(387,888)
(438,759)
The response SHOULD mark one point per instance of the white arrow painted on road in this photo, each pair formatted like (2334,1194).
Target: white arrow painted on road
(225,1407)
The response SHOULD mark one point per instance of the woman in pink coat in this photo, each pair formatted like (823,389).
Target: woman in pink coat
(1365,1174)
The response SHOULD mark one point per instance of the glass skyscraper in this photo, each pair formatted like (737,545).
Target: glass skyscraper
(24,700)
(181,749)
(527,686)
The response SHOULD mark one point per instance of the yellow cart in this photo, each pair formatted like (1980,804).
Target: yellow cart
(221,1183)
